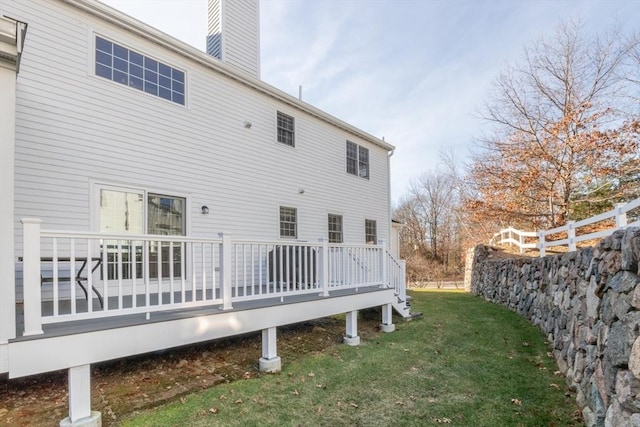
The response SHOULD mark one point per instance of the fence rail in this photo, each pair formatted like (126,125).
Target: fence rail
(92,275)
(523,239)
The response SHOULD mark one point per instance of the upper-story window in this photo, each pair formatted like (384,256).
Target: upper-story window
(286,133)
(370,231)
(335,228)
(122,65)
(357,160)
(288,222)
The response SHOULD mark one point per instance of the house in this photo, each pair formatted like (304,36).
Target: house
(154,195)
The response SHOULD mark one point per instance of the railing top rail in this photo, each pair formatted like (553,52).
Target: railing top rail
(123,236)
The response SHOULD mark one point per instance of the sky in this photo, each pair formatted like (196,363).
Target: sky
(415,72)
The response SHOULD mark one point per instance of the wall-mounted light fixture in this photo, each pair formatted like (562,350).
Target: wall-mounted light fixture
(247,124)
(300,190)
(205,210)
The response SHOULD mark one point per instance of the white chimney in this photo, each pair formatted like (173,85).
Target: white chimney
(234,33)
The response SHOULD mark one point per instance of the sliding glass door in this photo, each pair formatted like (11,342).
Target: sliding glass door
(125,211)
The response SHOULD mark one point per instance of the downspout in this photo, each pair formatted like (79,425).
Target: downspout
(12,35)
(389,155)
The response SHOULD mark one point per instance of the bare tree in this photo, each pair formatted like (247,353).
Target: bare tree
(559,129)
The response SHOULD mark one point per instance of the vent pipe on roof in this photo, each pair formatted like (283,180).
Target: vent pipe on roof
(300,92)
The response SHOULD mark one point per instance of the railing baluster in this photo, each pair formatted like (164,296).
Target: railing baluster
(72,267)
(120,274)
(133,259)
(171,274)
(55,277)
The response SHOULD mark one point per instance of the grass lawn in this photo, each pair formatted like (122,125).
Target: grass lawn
(466,362)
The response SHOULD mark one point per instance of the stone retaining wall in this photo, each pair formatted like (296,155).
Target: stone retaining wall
(588,304)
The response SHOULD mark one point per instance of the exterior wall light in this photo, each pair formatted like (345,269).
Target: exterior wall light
(247,124)
(205,210)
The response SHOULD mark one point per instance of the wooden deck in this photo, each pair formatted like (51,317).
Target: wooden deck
(68,344)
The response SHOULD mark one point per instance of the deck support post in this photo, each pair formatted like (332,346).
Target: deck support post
(80,413)
(387,319)
(351,337)
(31,276)
(270,361)
(225,266)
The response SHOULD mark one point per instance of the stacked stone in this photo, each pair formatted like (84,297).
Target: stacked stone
(588,304)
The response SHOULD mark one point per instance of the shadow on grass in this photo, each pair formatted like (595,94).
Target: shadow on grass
(466,362)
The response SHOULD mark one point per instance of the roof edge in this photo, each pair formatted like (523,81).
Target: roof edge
(167,41)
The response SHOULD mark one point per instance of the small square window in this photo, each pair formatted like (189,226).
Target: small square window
(286,129)
(335,228)
(288,222)
(357,160)
(370,232)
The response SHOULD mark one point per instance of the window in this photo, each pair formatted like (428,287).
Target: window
(370,232)
(285,129)
(357,160)
(123,212)
(335,228)
(117,63)
(288,222)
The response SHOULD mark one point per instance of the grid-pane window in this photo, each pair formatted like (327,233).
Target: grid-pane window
(118,63)
(285,129)
(363,162)
(335,228)
(352,158)
(370,231)
(357,160)
(288,222)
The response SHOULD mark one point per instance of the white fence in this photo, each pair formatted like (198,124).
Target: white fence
(522,239)
(73,276)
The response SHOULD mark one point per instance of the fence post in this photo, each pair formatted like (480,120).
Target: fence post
(383,262)
(521,238)
(571,234)
(621,218)
(541,244)
(31,276)
(225,266)
(324,267)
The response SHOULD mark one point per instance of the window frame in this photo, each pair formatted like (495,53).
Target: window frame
(285,130)
(177,79)
(335,235)
(282,223)
(367,231)
(358,160)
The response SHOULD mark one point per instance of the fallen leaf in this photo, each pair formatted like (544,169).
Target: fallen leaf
(238,401)
(556,386)
(311,374)
(354,405)
(213,410)
(525,344)
(295,392)
(516,402)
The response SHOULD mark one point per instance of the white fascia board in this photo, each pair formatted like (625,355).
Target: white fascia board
(141,29)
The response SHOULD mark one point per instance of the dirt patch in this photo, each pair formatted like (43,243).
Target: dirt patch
(124,386)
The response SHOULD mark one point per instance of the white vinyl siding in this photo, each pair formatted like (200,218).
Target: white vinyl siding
(233,34)
(73,128)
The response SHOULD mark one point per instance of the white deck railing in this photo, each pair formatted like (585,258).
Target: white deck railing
(618,214)
(72,276)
